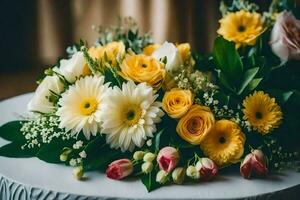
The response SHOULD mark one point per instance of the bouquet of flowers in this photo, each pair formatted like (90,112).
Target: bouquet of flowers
(160,112)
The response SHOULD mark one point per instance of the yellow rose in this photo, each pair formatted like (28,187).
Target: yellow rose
(148,50)
(141,68)
(184,50)
(113,50)
(195,124)
(177,102)
(96,52)
(185,53)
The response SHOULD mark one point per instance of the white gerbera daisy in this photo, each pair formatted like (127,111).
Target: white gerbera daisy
(80,106)
(129,115)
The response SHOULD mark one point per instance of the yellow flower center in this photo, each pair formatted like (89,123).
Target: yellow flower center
(88,106)
(132,115)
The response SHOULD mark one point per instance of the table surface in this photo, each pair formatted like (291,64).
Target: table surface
(52,177)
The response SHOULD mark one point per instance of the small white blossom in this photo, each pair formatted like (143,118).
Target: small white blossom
(73,162)
(78,144)
(83,154)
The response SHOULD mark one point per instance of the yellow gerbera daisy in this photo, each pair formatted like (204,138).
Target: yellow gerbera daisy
(241,27)
(262,112)
(224,144)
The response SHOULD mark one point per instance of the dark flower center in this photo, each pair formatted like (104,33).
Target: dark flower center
(130,115)
(222,140)
(258,115)
(87,105)
(241,28)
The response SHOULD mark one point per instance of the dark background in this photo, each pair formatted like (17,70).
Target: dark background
(34,33)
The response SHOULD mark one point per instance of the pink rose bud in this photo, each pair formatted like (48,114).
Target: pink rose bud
(207,168)
(168,158)
(285,37)
(254,162)
(119,169)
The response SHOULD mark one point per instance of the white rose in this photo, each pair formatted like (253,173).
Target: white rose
(169,50)
(285,37)
(39,101)
(72,68)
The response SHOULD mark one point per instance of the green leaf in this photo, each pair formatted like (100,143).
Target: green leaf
(247,78)
(223,98)
(99,154)
(253,84)
(51,152)
(112,77)
(149,180)
(101,159)
(14,150)
(11,131)
(227,59)
(225,83)
(94,144)
(157,140)
(281,96)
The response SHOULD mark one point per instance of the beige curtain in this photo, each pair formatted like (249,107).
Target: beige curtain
(59,23)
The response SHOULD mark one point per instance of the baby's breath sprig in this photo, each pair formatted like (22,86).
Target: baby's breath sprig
(196,81)
(279,158)
(42,129)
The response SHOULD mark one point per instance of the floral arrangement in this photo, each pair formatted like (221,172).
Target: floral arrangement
(132,107)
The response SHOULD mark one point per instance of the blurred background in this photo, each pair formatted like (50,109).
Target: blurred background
(34,33)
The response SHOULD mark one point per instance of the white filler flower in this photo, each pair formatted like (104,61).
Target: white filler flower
(41,102)
(129,115)
(80,106)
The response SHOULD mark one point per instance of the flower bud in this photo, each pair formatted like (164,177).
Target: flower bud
(64,156)
(192,172)
(147,167)
(254,162)
(162,177)
(178,175)
(207,168)
(168,158)
(78,172)
(149,157)
(138,155)
(119,169)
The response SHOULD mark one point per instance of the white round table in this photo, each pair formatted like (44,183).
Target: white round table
(34,179)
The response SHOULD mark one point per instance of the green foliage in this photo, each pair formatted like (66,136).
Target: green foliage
(51,152)
(236,5)
(227,59)
(127,32)
(149,180)
(99,154)
(281,96)
(248,76)
(157,140)
(112,76)
(14,150)
(94,65)
(233,75)
(11,131)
